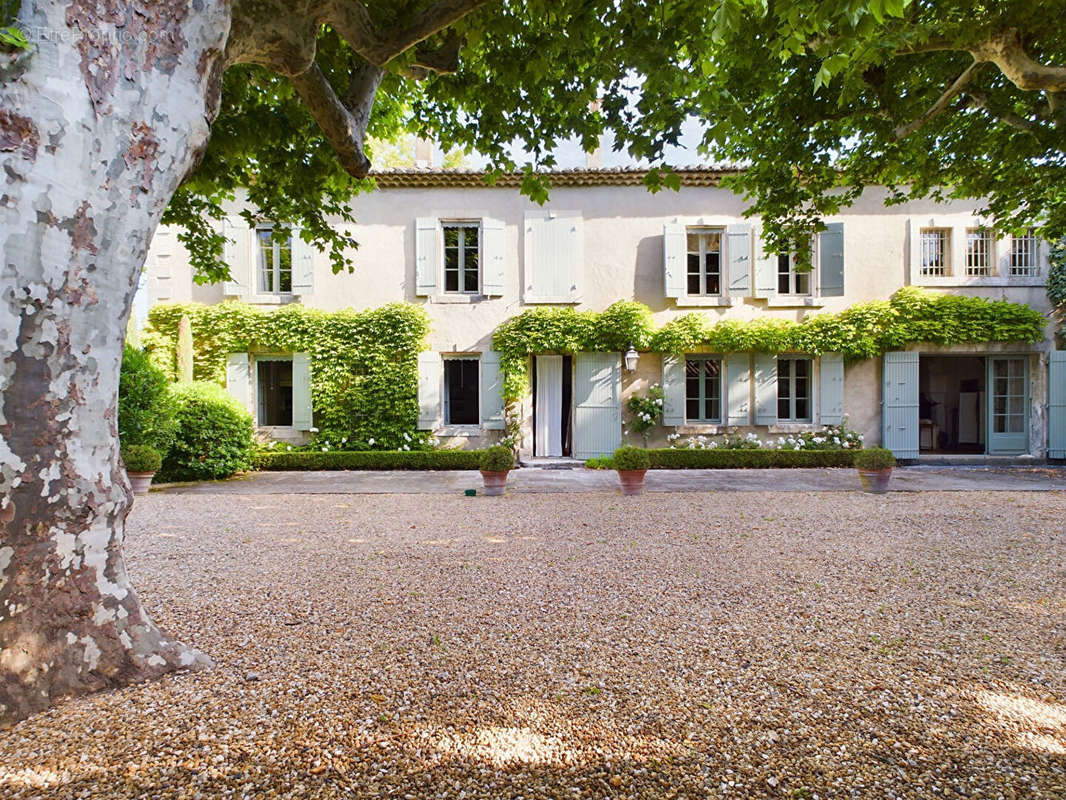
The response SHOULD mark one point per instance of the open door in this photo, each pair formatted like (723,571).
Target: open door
(1008,405)
(597,404)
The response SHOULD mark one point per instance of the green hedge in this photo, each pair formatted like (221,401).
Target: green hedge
(749,459)
(370,459)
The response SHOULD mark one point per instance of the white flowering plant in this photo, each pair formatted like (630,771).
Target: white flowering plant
(645,411)
(830,437)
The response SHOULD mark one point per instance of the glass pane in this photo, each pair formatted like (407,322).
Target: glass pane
(783,274)
(803,283)
(694,283)
(803,367)
(999,405)
(714,409)
(451,236)
(692,408)
(802,412)
(470,262)
(712,262)
(693,245)
(451,280)
(783,410)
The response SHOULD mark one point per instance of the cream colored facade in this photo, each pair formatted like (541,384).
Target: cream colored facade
(613,235)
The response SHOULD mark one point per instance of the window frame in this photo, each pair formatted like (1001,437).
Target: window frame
(462,225)
(792,394)
(701,398)
(261,359)
(702,231)
(445,396)
(944,234)
(983,235)
(275,270)
(794,275)
(1031,249)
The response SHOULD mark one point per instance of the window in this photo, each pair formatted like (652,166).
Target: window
(1023,255)
(794,389)
(789,280)
(704,270)
(703,389)
(935,252)
(274,391)
(462,256)
(461,401)
(979,249)
(274,259)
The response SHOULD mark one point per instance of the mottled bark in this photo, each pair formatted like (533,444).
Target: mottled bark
(98,127)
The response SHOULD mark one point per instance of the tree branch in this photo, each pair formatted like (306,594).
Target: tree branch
(1006,51)
(938,107)
(352,21)
(980,100)
(343,122)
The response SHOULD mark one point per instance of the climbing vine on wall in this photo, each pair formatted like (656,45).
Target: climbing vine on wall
(1056,279)
(364,365)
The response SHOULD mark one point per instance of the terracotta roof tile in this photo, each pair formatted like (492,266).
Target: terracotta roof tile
(410,178)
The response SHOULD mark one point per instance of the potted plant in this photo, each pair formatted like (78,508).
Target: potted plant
(496,462)
(141,462)
(875,468)
(631,464)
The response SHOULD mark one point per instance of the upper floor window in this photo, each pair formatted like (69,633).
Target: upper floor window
(789,279)
(935,255)
(1023,262)
(794,389)
(979,249)
(462,257)
(704,259)
(274,260)
(703,389)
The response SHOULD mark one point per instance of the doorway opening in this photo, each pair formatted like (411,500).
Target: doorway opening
(952,404)
(553,391)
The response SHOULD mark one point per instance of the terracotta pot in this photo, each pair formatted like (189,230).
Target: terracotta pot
(140,481)
(875,481)
(632,480)
(495,482)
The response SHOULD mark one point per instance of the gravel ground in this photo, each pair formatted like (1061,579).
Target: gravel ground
(566,646)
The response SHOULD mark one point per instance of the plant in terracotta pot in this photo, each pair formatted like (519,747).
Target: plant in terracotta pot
(142,461)
(875,468)
(496,462)
(631,464)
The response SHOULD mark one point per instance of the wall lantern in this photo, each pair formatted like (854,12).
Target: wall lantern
(631,357)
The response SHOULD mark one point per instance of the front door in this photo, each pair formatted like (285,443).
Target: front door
(1008,405)
(547,413)
(597,404)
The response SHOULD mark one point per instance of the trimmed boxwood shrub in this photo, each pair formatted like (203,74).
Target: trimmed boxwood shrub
(370,459)
(749,459)
(875,458)
(497,458)
(630,458)
(141,458)
(146,408)
(215,435)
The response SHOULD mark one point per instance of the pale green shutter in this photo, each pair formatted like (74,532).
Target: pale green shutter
(555,254)
(831,389)
(765,389)
(426,257)
(493,261)
(673,389)
(738,374)
(831,260)
(899,406)
(239,379)
(765,271)
(303,264)
(674,258)
(597,404)
(430,379)
(301,392)
(1057,404)
(238,252)
(491,392)
(738,252)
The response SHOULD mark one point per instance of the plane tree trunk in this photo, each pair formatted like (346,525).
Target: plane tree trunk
(98,126)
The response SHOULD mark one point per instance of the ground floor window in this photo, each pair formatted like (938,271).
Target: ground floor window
(703,389)
(461,401)
(794,389)
(274,391)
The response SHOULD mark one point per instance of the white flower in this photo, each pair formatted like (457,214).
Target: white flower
(370,441)
(313,430)
(324,449)
(344,439)
(407,447)
(289,447)
(406,436)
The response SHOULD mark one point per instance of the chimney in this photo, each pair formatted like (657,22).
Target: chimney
(594,160)
(424,153)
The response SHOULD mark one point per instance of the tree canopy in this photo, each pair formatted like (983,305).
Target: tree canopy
(816,98)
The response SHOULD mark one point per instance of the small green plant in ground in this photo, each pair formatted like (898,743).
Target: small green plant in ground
(215,435)
(141,458)
(599,463)
(645,411)
(630,458)
(874,458)
(497,459)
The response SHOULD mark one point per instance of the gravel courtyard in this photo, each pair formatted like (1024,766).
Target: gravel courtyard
(819,645)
